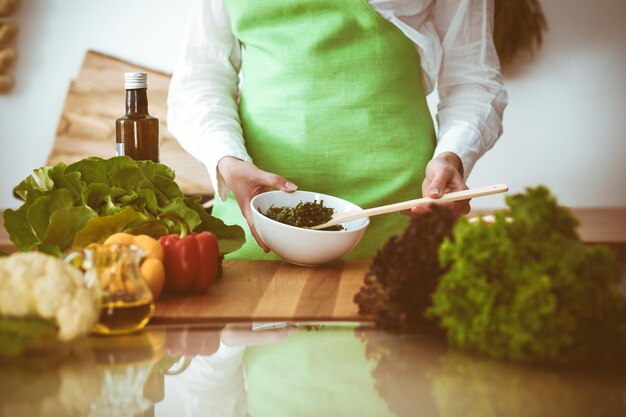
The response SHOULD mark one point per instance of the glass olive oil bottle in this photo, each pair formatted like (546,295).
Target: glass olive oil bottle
(137,133)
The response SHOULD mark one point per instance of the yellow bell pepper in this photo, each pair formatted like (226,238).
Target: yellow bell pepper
(152,266)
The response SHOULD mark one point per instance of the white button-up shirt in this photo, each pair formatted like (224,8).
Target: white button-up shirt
(453,38)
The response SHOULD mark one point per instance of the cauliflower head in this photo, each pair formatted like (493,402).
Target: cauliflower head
(39,285)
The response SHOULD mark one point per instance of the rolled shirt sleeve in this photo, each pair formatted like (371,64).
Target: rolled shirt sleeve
(202,100)
(471,92)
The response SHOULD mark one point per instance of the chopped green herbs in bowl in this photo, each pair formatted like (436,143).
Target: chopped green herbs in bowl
(283,220)
(305,215)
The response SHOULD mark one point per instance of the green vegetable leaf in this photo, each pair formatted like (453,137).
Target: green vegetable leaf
(45,182)
(101,197)
(132,178)
(94,169)
(81,203)
(28,188)
(230,237)
(98,229)
(38,214)
(154,228)
(181,210)
(150,169)
(65,223)
(69,181)
(162,177)
(150,202)
(49,248)
(526,288)
(20,231)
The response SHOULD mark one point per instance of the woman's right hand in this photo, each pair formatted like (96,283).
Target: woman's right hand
(245,181)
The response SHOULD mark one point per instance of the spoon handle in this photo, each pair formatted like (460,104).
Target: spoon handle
(406,205)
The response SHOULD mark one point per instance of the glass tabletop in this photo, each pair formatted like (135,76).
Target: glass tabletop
(293,369)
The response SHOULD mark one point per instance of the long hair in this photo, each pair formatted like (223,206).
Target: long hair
(518,30)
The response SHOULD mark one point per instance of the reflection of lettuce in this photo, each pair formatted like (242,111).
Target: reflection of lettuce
(73,205)
(467,386)
(417,375)
(404,368)
(528,289)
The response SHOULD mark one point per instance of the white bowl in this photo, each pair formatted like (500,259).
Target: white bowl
(305,246)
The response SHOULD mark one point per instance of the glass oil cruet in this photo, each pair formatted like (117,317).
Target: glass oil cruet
(126,301)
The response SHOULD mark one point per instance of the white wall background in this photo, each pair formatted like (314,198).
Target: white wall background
(54,36)
(566,121)
(565,125)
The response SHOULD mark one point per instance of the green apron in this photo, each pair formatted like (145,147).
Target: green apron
(332,100)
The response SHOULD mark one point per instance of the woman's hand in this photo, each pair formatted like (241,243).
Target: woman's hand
(245,180)
(444,174)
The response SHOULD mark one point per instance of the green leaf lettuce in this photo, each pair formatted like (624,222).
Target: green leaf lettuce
(526,288)
(70,206)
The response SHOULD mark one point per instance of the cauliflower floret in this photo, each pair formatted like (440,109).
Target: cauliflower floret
(34,284)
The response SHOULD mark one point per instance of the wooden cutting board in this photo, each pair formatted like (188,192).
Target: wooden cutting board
(96,99)
(272,291)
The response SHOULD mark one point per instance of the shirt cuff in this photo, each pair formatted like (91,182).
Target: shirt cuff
(462,139)
(215,147)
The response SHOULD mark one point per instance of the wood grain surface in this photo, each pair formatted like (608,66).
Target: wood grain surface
(96,99)
(276,291)
(272,291)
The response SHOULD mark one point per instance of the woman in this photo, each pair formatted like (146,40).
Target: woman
(332,97)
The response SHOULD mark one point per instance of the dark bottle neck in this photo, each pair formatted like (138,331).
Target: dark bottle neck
(136,102)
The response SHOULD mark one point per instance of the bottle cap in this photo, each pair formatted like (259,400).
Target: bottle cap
(135,80)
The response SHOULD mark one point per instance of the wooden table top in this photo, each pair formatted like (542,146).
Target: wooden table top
(272,291)
(277,291)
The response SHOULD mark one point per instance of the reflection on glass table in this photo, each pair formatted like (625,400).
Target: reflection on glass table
(96,376)
(316,369)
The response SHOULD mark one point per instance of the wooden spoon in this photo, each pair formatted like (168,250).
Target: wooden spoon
(406,205)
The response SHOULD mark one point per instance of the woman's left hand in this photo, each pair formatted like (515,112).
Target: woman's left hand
(444,174)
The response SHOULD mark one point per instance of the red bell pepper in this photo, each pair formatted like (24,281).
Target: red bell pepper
(191,262)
